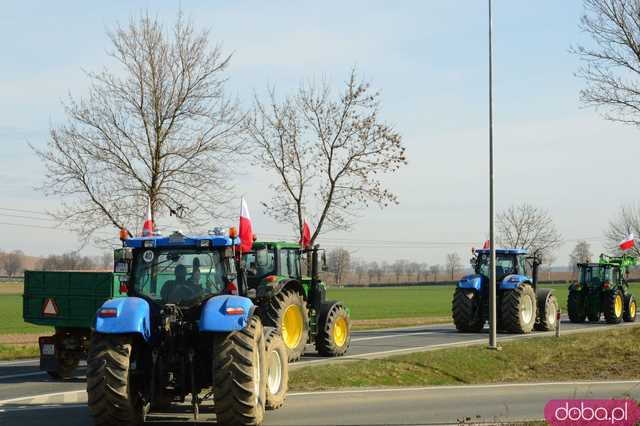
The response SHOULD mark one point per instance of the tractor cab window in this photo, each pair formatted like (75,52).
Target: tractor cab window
(283,260)
(260,263)
(293,263)
(594,275)
(181,277)
(523,267)
(505,265)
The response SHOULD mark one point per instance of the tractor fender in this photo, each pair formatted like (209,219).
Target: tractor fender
(268,290)
(471,282)
(132,316)
(513,281)
(226,313)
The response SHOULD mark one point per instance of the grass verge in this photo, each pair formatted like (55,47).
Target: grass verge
(11,352)
(586,356)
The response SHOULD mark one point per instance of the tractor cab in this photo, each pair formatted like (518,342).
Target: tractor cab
(596,276)
(272,261)
(177,269)
(508,262)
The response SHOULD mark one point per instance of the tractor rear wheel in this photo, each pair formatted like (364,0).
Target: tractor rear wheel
(288,312)
(277,369)
(547,311)
(466,312)
(334,331)
(613,307)
(239,375)
(576,307)
(519,309)
(630,308)
(113,397)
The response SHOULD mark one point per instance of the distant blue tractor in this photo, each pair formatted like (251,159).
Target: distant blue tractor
(521,305)
(184,328)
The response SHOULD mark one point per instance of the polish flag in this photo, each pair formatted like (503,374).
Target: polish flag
(486,245)
(305,240)
(147,228)
(245,229)
(627,243)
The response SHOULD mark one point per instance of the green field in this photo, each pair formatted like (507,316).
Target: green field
(11,316)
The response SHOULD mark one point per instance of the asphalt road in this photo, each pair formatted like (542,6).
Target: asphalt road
(22,379)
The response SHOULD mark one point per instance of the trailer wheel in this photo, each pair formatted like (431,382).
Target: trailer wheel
(277,369)
(113,397)
(576,307)
(239,375)
(630,308)
(519,309)
(66,366)
(547,310)
(334,330)
(466,312)
(613,307)
(288,312)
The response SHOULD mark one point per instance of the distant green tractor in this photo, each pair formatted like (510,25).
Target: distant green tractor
(602,288)
(293,303)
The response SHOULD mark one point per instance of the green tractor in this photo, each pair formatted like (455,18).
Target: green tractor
(602,288)
(293,303)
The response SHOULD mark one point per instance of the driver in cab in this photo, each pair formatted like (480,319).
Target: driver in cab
(181,289)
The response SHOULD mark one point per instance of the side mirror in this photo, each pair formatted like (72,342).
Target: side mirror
(325,268)
(122,259)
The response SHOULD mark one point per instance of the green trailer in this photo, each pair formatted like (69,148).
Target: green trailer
(67,301)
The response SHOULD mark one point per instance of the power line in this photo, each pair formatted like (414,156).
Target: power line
(24,211)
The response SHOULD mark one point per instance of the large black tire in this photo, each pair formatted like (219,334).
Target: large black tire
(239,375)
(613,306)
(593,314)
(113,397)
(576,307)
(466,310)
(547,310)
(295,332)
(630,308)
(334,330)
(277,369)
(519,309)
(67,364)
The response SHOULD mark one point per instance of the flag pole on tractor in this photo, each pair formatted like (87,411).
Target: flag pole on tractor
(245,230)
(492,257)
(147,228)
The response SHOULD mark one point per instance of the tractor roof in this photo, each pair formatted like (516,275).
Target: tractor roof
(503,251)
(275,244)
(178,239)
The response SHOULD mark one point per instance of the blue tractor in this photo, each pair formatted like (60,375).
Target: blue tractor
(182,326)
(521,305)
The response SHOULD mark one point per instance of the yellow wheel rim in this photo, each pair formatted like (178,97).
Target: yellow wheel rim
(632,309)
(618,306)
(340,332)
(292,326)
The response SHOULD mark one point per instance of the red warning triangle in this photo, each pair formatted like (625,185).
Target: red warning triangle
(49,307)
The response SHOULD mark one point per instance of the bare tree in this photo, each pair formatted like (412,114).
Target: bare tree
(373,270)
(423,272)
(13,262)
(611,67)
(581,253)
(453,264)
(626,222)
(71,261)
(327,152)
(435,270)
(528,227)
(338,262)
(399,267)
(155,127)
(413,268)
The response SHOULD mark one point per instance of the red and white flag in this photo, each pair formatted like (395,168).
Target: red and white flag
(486,245)
(245,230)
(305,240)
(627,243)
(147,228)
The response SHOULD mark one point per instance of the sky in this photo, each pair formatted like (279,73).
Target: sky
(429,61)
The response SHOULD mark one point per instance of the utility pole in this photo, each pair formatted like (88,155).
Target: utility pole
(492,248)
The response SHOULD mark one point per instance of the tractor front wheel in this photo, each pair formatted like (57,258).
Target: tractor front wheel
(613,307)
(288,312)
(113,397)
(519,309)
(576,307)
(466,312)
(630,308)
(277,369)
(239,375)
(334,331)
